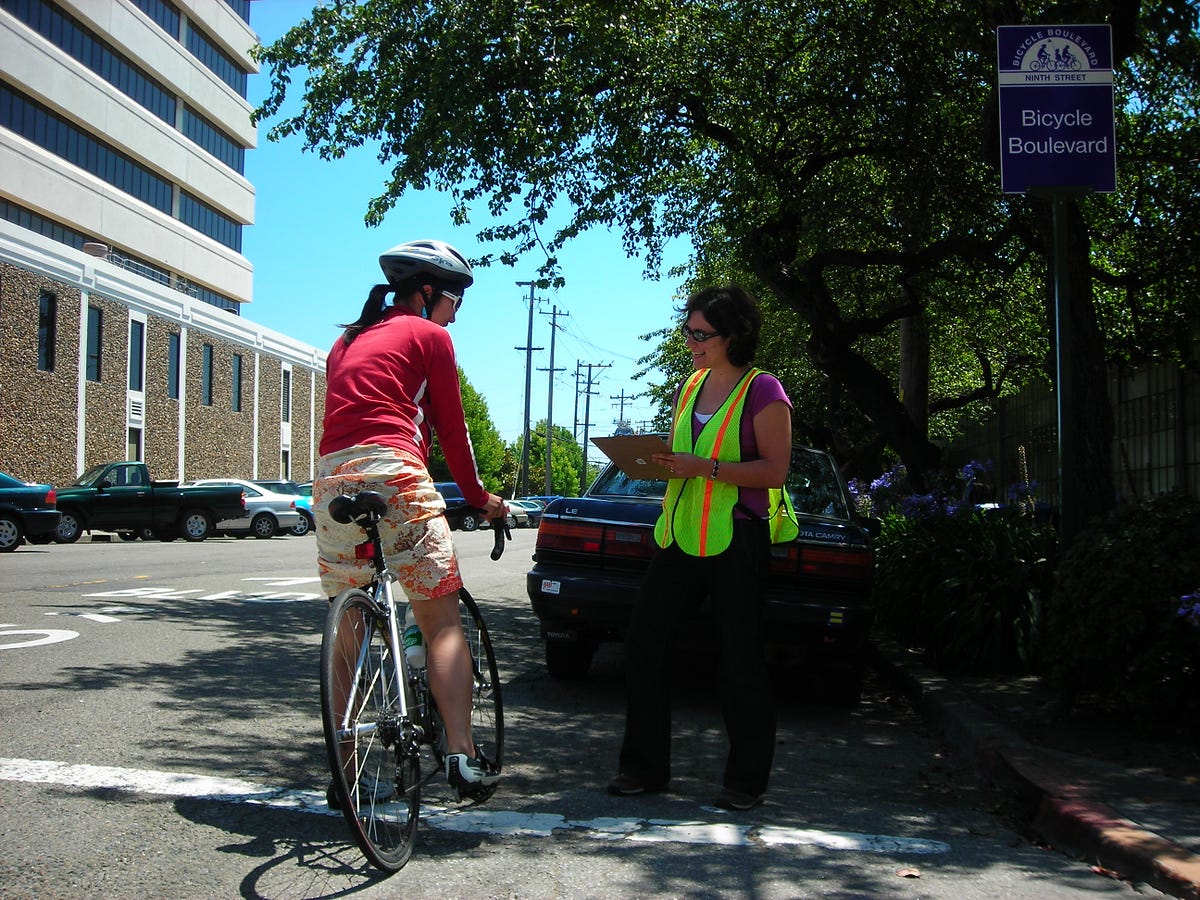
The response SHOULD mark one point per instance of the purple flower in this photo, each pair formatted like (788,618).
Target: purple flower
(1189,608)
(975,469)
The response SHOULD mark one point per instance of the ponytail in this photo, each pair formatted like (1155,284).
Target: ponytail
(372,312)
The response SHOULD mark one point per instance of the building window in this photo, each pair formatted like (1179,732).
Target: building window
(47,330)
(174,346)
(78,41)
(216,60)
(133,445)
(137,355)
(206,376)
(286,402)
(218,226)
(237,382)
(164,14)
(95,342)
(50,131)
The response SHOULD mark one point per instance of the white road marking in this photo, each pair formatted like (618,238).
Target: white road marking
(277,581)
(47,636)
(95,617)
(474,820)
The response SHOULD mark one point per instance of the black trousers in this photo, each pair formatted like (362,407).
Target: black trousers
(673,586)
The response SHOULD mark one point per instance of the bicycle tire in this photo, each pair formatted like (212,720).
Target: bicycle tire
(487,706)
(376,772)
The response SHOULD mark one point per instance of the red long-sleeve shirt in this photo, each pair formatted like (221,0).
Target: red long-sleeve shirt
(396,384)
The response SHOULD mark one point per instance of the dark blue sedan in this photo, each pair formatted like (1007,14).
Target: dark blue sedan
(26,511)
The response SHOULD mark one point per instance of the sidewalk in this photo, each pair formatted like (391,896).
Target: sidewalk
(1132,822)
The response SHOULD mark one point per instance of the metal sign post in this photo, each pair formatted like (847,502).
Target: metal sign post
(1058,142)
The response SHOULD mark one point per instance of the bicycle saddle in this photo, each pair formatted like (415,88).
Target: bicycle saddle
(348,509)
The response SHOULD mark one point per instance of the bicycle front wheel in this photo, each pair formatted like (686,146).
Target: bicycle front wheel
(373,751)
(487,708)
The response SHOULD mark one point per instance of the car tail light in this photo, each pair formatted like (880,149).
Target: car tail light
(580,538)
(635,543)
(851,563)
(52,498)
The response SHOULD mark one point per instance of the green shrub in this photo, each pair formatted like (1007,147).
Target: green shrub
(1116,629)
(969,588)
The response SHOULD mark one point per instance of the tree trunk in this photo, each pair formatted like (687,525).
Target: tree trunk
(914,371)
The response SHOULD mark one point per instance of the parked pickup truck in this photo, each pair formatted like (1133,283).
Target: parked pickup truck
(122,497)
(592,550)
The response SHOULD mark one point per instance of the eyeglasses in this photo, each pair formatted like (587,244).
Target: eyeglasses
(697,335)
(456,299)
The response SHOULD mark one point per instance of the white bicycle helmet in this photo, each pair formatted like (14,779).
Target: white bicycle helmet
(436,259)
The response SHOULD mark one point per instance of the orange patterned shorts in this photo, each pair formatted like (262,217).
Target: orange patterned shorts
(416,536)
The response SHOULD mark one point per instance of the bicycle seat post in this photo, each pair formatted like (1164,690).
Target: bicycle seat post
(369,522)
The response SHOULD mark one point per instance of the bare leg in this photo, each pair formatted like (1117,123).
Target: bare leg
(449,661)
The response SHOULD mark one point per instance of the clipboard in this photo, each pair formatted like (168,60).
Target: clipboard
(631,453)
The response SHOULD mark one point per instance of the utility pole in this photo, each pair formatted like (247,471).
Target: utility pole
(587,412)
(554,314)
(522,486)
(622,397)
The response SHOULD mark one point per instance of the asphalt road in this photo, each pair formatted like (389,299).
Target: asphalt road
(161,738)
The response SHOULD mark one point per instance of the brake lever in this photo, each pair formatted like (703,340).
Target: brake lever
(501,532)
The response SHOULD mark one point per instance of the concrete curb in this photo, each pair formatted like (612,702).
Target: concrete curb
(1065,814)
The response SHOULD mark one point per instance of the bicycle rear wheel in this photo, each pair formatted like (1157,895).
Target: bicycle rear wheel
(487,708)
(373,752)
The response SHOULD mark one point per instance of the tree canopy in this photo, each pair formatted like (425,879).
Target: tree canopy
(837,157)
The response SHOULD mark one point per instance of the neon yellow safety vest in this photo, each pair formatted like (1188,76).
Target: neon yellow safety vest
(698,512)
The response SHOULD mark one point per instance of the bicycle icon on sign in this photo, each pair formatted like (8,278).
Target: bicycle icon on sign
(1063,59)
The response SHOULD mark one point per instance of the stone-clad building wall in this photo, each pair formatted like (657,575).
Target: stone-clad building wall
(104,400)
(270,402)
(37,409)
(161,438)
(220,441)
(40,410)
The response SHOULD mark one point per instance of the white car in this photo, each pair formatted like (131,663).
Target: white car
(267,513)
(533,511)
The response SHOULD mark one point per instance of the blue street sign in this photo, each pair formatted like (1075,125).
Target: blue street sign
(1057,122)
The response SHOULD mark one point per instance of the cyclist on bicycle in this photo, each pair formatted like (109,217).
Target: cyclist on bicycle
(391,384)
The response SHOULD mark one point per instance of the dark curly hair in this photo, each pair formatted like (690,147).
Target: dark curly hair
(734,313)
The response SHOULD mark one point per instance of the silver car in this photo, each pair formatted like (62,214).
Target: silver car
(267,513)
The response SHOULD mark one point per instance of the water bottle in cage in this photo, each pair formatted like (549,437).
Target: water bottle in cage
(414,643)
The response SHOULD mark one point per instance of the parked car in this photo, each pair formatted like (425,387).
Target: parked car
(303,503)
(591,552)
(267,513)
(122,497)
(461,515)
(543,499)
(518,516)
(27,512)
(533,511)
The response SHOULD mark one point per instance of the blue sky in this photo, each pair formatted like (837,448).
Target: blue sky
(314,261)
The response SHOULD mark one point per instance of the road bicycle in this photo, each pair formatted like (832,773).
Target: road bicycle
(383,731)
